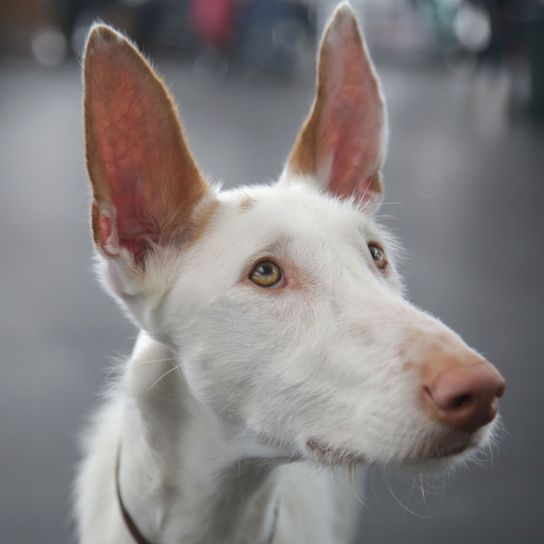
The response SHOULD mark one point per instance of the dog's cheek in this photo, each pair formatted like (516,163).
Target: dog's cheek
(225,358)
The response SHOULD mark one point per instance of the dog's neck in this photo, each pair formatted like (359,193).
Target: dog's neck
(180,475)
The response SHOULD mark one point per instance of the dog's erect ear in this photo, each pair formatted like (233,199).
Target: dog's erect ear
(342,143)
(145,181)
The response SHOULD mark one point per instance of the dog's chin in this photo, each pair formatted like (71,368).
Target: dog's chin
(445,455)
(429,463)
(438,462)
(437,456)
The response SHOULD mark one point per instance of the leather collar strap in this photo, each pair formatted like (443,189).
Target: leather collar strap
(137,535)
(129,522)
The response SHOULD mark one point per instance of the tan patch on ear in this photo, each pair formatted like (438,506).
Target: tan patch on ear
(202,220)
(246,203)
(94,223)
(376,183)
(303,157)
(372,185)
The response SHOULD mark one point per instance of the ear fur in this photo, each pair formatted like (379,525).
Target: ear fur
(342,143)
(145,181)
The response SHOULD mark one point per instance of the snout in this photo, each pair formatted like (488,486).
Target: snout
(462,393)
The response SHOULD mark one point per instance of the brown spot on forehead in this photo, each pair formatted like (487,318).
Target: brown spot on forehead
(246,203)
(202,220)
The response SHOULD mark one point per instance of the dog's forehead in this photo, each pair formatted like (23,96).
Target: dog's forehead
(292,211)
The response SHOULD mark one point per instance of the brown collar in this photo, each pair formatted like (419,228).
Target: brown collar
(137,535)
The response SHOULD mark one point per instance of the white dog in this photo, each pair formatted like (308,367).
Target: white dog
(275,337)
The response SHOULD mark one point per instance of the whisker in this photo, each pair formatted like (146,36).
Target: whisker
(154,361)
(410,494)
(386,217)
(402,505)
(162,376)
(359,498)
(373,487)
(422,489)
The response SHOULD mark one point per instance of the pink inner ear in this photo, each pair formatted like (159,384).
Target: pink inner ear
(341,144)
(108,234)
(144,178)
(352,117)
(130,131)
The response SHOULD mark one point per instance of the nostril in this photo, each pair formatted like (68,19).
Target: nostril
(428,393)
(461,401)
(448,402)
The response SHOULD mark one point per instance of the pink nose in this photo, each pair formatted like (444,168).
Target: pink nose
(464,397)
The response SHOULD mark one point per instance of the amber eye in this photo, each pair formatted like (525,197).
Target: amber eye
(266,274)
(378,256)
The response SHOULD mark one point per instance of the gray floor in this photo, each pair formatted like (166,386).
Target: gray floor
(466,192)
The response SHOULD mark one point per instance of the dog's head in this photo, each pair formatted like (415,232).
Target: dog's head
(282,301)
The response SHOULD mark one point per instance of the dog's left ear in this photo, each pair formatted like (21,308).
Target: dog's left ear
(342,143)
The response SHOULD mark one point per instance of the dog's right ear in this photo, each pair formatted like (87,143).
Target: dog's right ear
(144,178)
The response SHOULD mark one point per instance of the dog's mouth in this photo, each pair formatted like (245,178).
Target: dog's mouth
(452,451)
(436,450)
(445,449)
(332,456)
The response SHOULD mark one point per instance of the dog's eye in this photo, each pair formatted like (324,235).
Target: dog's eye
(266,274)
(378,256)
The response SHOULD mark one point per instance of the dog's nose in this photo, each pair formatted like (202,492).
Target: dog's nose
(464,396)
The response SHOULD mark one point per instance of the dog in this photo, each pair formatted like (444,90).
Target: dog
(275,336)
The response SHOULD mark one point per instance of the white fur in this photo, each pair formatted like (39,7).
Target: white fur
(242,406)
(223,392)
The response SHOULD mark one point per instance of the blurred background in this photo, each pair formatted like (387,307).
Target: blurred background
(464,82)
